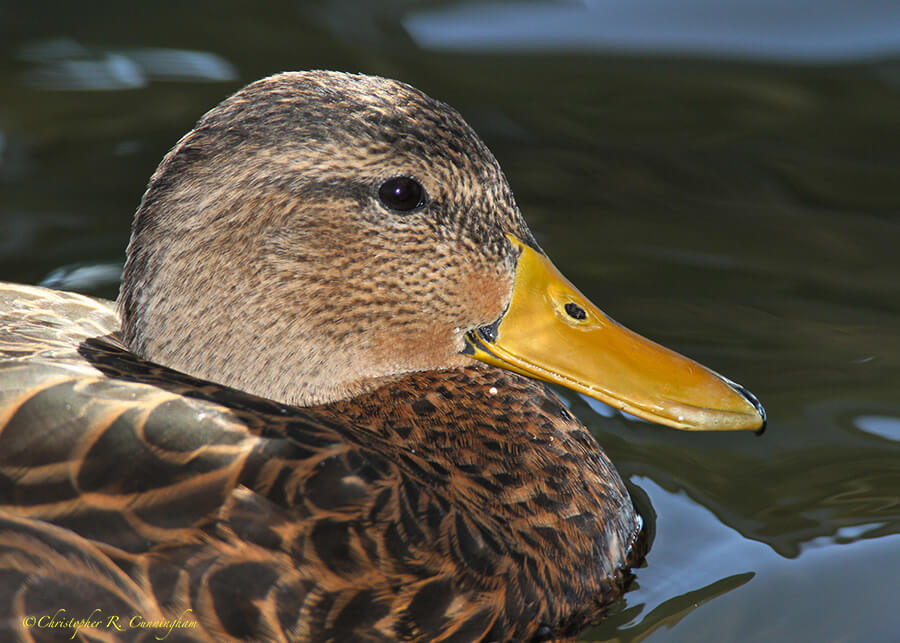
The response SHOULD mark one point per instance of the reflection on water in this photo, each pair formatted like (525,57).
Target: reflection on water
(883,426)
(84,277)
(745,215)
(713,560)
(766,29)
(698,584)
(664,616)
(65,64)
(836,489)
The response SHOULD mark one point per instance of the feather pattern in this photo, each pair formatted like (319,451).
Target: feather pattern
(274,434)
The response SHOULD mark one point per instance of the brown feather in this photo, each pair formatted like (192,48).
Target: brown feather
(283,441)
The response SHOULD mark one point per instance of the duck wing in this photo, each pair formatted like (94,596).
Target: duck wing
(132,491)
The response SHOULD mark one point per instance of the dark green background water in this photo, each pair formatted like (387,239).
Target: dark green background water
(723,179)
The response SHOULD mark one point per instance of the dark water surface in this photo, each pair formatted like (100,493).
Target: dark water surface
(735,197)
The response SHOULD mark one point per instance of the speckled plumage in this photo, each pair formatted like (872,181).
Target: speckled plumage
(276,190)
(369,498)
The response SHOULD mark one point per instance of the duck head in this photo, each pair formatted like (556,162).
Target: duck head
(320,233)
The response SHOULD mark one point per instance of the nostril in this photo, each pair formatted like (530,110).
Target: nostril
(575,311)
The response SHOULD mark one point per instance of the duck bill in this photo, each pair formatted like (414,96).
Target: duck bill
(552,332)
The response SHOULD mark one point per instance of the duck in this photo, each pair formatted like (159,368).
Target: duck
(318,409)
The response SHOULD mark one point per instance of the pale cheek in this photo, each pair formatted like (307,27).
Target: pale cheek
(488,295)
(435,342)
(424,348)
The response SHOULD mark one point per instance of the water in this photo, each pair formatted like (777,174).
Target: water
(735,198)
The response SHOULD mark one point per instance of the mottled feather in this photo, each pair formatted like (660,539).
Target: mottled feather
(395,515)
(274,433)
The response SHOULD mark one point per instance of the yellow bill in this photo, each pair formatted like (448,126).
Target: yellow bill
(552,332)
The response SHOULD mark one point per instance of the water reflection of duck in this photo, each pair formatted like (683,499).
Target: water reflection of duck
(349,249)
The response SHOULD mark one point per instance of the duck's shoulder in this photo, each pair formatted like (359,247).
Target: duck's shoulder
(465,501)
(129,444)
(156,490)
(39,322)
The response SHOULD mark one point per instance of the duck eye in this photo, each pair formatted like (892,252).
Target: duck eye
(402,194)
